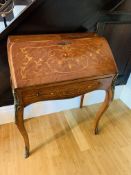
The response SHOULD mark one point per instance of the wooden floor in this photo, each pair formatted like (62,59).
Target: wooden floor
(63,144)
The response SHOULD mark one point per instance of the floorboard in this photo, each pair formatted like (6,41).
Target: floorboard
(64,144)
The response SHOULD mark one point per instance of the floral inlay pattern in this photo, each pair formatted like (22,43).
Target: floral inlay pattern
(51,61)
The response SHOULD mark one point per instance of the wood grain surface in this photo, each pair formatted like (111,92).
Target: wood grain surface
(56,58)
(63,144)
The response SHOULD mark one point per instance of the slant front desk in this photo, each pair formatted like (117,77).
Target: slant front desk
(109,18)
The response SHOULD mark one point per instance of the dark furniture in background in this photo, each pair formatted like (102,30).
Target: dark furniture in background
(110,18)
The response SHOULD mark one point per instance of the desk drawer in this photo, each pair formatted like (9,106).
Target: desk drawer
(63,90)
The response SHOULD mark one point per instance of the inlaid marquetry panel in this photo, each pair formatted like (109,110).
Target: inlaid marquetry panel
(59,59)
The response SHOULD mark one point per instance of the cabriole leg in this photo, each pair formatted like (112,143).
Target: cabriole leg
(108,99)
(20,124)
(81,101)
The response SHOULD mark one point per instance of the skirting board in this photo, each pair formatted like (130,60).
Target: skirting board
(46,107)
(126,93)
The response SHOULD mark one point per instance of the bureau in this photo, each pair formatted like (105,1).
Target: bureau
(59,66)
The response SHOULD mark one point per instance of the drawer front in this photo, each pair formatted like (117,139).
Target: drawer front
(63,90)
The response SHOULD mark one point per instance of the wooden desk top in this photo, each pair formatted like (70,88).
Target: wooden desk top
(45,59)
